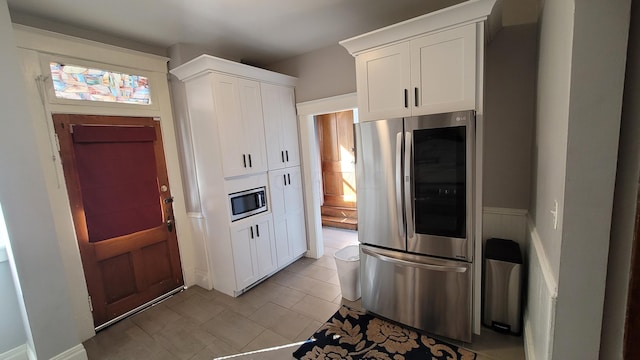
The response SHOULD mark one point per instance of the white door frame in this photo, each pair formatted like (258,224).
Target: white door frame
(310,159)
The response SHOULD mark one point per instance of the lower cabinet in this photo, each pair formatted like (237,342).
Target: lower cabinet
(290,237)
(254,251)
(287,207)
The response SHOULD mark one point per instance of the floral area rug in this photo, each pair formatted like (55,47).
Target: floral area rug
(354,334)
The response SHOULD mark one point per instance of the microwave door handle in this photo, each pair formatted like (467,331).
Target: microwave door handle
(408,191)
(399,184)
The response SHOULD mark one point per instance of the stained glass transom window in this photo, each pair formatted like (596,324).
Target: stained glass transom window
(83,83)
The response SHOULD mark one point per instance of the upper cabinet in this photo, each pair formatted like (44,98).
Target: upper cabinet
(281,126)
(425,65)
(238,109)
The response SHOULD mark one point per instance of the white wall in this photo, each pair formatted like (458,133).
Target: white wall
(36,257)
(12,332)
(624,205)
(509,115)
(323,73)
(580,84)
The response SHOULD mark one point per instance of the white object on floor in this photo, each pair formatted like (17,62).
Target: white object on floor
(348,266)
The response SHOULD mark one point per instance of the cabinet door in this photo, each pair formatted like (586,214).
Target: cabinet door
(290,237)
(245,257)
(288,214)
(238,111)
(383,80)
(285,187)
(280,126)
(443,71)
(228,115)
(265,246)
(253,126)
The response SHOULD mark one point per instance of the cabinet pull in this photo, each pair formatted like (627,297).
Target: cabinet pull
(285,179)
(250,161)
(244,160)
(287,152)
(251,228)
(415,94)
(289,177)
(406,98)
(257,230)
(282,155)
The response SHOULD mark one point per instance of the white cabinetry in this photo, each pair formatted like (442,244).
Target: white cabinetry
(429,74)
(231,108)
(280,126)
(238,110)
(254,253)
(288,214)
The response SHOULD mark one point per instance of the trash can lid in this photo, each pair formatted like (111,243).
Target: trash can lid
(348,253)
(503,250)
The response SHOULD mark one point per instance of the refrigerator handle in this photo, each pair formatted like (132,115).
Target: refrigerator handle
(402,262)
(399,212)
(408,166)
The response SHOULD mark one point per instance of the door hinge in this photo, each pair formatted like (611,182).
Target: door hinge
(90,304)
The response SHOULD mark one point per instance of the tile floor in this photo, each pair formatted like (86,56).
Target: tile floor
(285,309)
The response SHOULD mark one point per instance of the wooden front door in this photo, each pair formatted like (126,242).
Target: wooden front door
(121,205)
(337,149)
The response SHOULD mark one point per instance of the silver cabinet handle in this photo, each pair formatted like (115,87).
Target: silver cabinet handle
(459,269)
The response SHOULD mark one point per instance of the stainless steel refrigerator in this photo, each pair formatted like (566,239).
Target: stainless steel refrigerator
(415,224)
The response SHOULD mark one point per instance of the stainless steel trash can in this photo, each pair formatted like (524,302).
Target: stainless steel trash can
(503,286)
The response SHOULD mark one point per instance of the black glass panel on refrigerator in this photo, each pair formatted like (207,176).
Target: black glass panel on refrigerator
(439,157)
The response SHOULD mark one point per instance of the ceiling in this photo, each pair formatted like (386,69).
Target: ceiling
(257,32)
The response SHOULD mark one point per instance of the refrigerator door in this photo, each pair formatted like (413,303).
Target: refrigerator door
(427,293)
(438,184)
(379,149)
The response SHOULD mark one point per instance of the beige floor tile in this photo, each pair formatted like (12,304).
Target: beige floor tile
(233,328)
(317,288)
(155,318)
(216,348)
(279,294)
(198,308)
(280,320)
(279,353)
(245,304)
(315,308)
(309,330)
(266,339)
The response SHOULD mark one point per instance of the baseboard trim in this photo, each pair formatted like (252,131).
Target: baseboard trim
(75,353)
(17,353)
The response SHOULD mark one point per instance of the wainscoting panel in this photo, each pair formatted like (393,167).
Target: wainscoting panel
(505,223)
(539,316)
(201,263)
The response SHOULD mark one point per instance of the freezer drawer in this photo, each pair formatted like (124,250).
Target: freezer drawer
(426,293)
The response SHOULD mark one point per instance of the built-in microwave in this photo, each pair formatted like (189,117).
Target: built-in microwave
(247,203)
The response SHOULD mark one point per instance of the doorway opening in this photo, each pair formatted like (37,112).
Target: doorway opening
(337,162)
